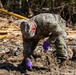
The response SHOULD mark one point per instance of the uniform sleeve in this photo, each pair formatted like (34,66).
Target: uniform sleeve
(27,47)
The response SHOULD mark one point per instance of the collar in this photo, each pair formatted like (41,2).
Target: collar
(33,27)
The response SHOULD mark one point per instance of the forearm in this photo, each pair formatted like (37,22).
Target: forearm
(27,47)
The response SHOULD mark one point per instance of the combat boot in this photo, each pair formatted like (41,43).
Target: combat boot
(62,54)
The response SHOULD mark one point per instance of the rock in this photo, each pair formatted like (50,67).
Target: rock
(70,39)
(70,53)
(43,58)
(5,40)
(74,52)
(38,64)
(17,53)
(38,51)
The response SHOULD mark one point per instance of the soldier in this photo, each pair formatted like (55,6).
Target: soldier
(39,27)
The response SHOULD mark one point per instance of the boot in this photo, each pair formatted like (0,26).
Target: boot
(62,55)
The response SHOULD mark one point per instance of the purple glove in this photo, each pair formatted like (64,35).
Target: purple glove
(46,46)
(29,64)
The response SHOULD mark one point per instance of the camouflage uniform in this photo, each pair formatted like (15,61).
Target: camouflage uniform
(46,24)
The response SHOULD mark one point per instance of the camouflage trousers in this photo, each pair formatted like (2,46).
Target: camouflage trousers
(61,48)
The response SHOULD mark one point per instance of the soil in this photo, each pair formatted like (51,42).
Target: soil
(44,63)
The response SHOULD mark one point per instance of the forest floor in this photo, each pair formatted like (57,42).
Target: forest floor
(11,48)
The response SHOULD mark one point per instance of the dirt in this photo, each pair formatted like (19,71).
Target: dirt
(44,63)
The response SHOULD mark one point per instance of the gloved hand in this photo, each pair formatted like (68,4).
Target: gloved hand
(46,46)
(29,64)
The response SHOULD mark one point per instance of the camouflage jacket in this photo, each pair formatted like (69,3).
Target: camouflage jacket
(47,23)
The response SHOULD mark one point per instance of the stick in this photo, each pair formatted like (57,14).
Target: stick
(13,14)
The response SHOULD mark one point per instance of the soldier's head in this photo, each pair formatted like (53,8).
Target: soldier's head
(28,29)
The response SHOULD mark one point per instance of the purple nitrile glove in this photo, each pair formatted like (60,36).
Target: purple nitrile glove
(46,46)
(29,64)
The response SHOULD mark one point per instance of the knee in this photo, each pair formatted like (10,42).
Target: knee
(64,34)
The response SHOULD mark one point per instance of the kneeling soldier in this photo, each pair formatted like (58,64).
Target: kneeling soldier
(41,26)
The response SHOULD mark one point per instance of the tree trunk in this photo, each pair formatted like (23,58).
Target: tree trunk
(1,5)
